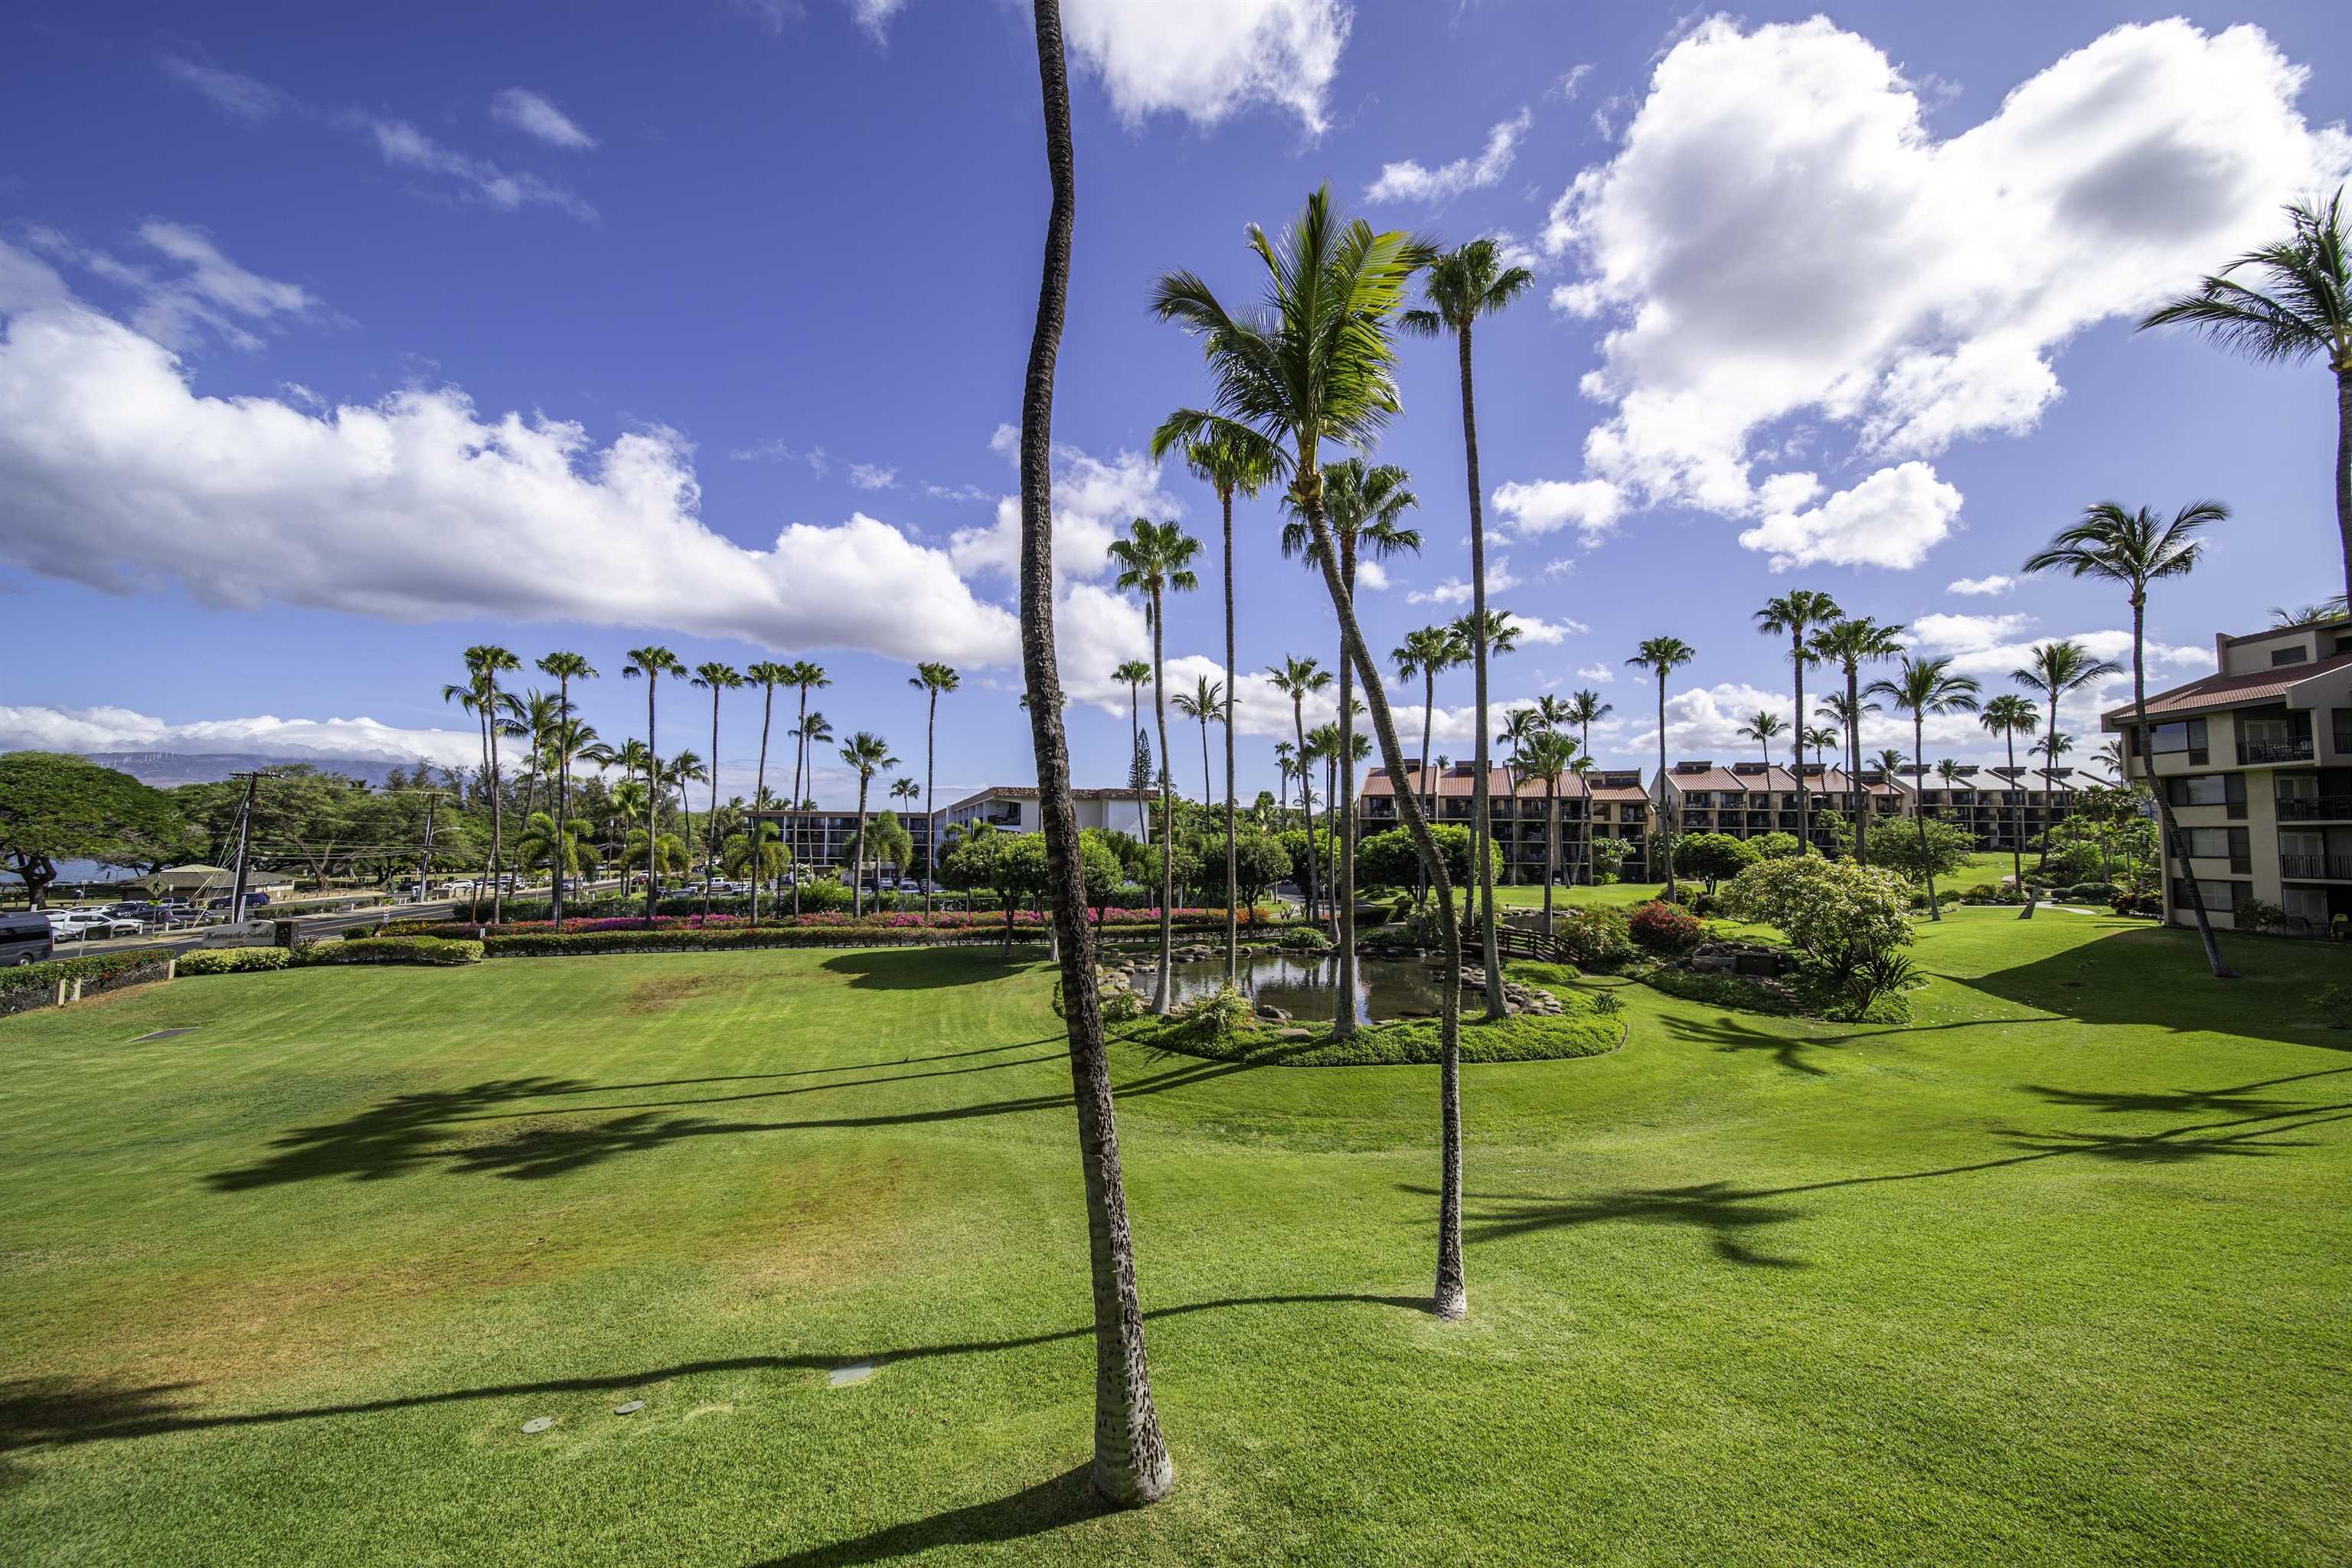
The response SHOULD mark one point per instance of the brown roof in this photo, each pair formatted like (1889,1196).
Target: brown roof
(1455,782)
(2231,691)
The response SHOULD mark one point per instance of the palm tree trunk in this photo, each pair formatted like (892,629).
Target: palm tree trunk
(800,755)
(498,817)
(2171,847)
(2050,784)
(1421,778)
(1208,790)
(1854,747)
(1666,833)
(1551,846)
(758,831)
(857,854)
(1167,805)
(562,803)
(2017,831)
(1797,744)
(653,797)
(1130,1464)
(1343,832)
(710,827)
(1919,806)
(1481,829)
(1305,795)
(474,900)
(930,825)
(1452,1296)
(2344,472)
(1135,734)
(1233,681)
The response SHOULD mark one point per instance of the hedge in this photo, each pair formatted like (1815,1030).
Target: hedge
(388,950)
(231,960)
(684,939)
(29,985)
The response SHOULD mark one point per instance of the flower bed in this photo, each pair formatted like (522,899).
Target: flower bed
(29,985)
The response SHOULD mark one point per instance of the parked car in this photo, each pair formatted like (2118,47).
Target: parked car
(78,925)
(24,939)
(253,901)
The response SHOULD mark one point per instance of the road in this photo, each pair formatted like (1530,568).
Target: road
(308,928)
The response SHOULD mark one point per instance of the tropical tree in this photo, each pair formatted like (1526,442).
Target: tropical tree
(1427,652)
(1547,755)
(931,679)
(1130,1461)
(1761,726)
(1460,286)
(1229,467)
(566,667)
(1796,616)
(865,755)
(544,845)
(1925,687)
(1299,678)
(1662,657)
(1205,703)
(2325,610)
(680,771)
(767,676)
(2299,309)
(714,678)
(805,677)
(2060,668)
(1316,365)
(2135,548)
(1500,635)
(2009,716)
(1155,559)
(1849,643)
(1135,673)
(486,664)
(757,855)
(1816,740)
(650,663)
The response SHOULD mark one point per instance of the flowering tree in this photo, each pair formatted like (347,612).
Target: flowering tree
(1840,913)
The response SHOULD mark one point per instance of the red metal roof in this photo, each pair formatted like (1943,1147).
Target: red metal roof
(2231,691)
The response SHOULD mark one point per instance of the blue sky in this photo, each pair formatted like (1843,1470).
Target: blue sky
(336,345)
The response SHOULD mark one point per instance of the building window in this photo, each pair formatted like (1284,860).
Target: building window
(2209,789)
(2231,844)
(2219,897)
(2280,655)
(2185,736)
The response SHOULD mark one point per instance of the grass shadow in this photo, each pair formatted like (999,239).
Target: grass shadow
(2155,977)
(1065,1500)
(926,968)
(1728,1034)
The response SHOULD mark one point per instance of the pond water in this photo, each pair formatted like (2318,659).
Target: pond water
(1308,987)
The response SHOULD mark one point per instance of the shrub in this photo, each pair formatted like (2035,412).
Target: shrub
(1880,975)
(1839,913)
(1660,927)
(1776,845)
(1222,1013)
(2334,1003)
(425,950)
(1121,1004)
(1594,936)
(29,985)
(231,960)
(1607,1003)
(1609,856)
(1304,939)
(2254,914)
(1713,857)
(2140,901)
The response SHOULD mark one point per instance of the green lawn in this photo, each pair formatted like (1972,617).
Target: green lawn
(1984,865)
(2055,1275)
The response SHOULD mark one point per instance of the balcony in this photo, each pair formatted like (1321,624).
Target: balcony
(2315,807)
(2309,868)
(2253,752)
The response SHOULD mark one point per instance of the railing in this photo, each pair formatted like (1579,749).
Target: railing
(2336,868)
(2276,751)
(2313,807)
(1517,942)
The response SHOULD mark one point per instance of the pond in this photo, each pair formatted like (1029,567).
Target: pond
(1306,987)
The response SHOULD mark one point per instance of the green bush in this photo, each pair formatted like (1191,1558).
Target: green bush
(1304,939)
(1218,1016)
(1716,989)
(2142,902)
(231,960)
(2334,1003)
(426,950)
(1594,936)
(2254,914)
(1660,927)
(27,986)
(1522,1038)
(1776,845)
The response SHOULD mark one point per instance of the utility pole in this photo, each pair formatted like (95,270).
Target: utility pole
(244,825)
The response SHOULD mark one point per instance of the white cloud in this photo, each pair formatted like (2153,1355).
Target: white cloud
(873,476)
(1409,181)
(1593,506)
(125,729)
(1094,501)
(1500,579)
(1537,632)
(1891,519)
(418,507)
(1559,566)
(532,114)
(405,147)
(240,97)
(1570,83)
(957,492)
(1206,58)
(874,16)
(1911,289)
(775,450)
(1942,633)
(1981,587)
(1599,674)
(206,293)
(1371,576)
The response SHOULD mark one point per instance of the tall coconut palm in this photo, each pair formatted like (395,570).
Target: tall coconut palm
(1299,679)
(1204,704)
(2135,548)
(475,695)
(931,679)
(1365,508)
(766,675)
(1662,657)
(865,754)
(649,664)
(2058,669)
(2300,309)
(805,677)
(1501,635)
(1761,727)
(1427,652)
(1816,739)
(1850,643)
(1796,614)
(487,662)
(2009,716)
(535,716)
(1130,1462)
(1314,365)
(1548,756)
(1229,467)
(1585,710)
(1925,689)
(1460,287)
(714,678)
(566,667)
(1155,559)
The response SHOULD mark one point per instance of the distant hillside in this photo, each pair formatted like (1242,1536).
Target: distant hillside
(166,769)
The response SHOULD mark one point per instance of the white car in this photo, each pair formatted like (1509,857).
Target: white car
(77,925)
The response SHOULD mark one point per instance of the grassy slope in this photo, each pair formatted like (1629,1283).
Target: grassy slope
(1996,1286)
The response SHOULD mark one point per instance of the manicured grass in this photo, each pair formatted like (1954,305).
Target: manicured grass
(2054,1275)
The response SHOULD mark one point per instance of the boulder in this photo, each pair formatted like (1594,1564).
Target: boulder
(1294,1034)
(1271,1014)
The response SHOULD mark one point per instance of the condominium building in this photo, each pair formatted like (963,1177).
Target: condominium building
(1611,803)
(1989,803)
(2256,761)
(1747,800)
(820,839)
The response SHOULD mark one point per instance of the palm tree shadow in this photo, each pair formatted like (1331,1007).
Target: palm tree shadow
(1725,1213)
(926,968)
(1065,1500)
(1729,1035)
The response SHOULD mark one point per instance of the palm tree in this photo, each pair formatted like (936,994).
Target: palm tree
(1460,286)
(2325,610)
(536,715)
(651,663)
(767,676)
(1204,702)
(2301,310)
(2135,548)
(1229,467)
(680,771)
(473,696)
(714,678)
(806,678)
(1429,653)
(1761,726)
(566,667)
(907,790)
(1816,740)
(2111,758)
(866,754)
(1501,637)
(2060,668)
(1850,643)
(1548,756)
(485,663)
(2009,716)
(1135,673)
(2053,749)
(1662,657)
(1155,559)
(1298,679)
(1798,615)
(1365,508)
(1585,710)
(544,844)
(1316,365)
(1923,688)
(1131,1462)
(931,679)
